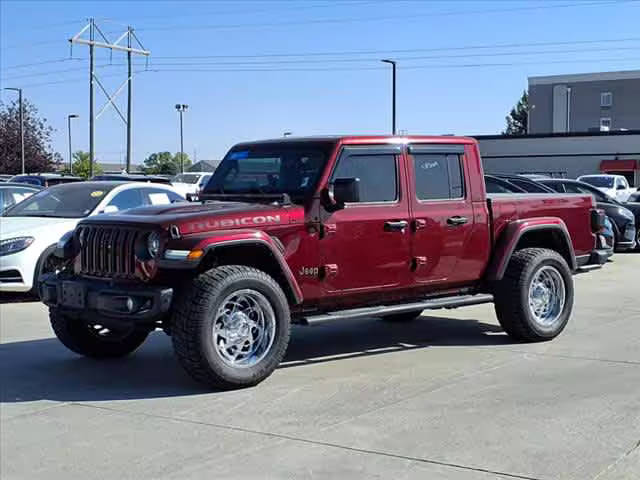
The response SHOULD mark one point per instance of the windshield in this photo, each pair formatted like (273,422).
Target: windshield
(71,200)
(287,167)
(185,178)
(602,182)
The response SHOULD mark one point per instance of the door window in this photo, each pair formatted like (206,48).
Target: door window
(376,172)
(438,176)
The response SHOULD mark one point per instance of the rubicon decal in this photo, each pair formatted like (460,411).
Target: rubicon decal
(213,224)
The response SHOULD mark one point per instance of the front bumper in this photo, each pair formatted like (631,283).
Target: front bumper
(627,240)
(138,303)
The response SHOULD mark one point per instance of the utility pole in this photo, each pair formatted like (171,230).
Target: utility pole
(129,90)
(393,95)
(21,116)
(181,108)
(69,117)
(93,29)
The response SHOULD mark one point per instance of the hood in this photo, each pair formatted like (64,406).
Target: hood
(198,217)
(23,226)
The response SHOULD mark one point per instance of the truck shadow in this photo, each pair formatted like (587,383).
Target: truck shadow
(44,370)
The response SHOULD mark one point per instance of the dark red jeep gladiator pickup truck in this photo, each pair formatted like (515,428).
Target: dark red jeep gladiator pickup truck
(302,230)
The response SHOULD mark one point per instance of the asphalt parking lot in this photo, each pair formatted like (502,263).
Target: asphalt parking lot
(446,397)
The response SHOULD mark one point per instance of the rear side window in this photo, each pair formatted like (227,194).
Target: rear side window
(377,174)
(438,176)
(126,199)
(159,196)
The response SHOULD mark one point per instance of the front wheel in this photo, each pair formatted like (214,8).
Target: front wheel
(231,327)
(534,300)
(94,340)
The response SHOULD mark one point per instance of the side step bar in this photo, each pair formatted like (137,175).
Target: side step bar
(587,268)
(432,304)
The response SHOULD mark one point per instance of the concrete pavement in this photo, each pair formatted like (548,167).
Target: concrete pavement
(446,397)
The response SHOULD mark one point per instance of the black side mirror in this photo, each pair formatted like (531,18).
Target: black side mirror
(341,191)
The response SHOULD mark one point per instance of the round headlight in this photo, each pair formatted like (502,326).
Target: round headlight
(153,244)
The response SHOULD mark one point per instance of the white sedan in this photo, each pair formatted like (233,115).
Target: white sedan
(30,230)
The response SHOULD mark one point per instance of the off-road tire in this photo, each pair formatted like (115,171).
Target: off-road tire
(77,335)
(402,317)
(193,319)
(511,295)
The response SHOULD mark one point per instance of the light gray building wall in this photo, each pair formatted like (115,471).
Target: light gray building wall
(564,155)
(584,102)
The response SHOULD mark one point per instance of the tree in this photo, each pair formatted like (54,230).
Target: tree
(80,166)
(518,118)
(38,155)
(164,163)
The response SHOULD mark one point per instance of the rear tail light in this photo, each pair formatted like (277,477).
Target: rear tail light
(597,220)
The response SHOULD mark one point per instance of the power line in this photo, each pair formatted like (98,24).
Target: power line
(400,67)
(405,17)
(409,50)
(337,61)
(43,62)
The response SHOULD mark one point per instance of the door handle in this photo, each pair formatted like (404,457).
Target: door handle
(395,225)
(457,220)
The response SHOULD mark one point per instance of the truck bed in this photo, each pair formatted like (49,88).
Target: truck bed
(573,209)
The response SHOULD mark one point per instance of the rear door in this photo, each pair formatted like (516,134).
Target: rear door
(442,214)
(365,246)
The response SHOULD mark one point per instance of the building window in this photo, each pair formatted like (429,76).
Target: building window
(605,124)
(606,99)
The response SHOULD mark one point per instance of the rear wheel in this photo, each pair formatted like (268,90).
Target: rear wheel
(534,300)
(94,340)
(231,327)
(402,317)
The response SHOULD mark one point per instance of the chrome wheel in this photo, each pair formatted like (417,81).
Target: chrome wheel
(547,296)
(244,328)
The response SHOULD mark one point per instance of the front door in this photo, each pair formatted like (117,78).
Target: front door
(442,212)
(365,247)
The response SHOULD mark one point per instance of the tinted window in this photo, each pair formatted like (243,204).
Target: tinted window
(158,196)
(72,200)
(558,187)
(11,195)
(128,199)
(438,176)
(496,186)
(377,174)
(529,186)
(576,188)
(597,181)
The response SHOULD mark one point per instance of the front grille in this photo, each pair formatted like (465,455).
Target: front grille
(108,251)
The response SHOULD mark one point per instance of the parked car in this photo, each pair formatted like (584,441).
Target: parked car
(616,186)
(45,179)
(305,230)
(498,185)
(12,193)
(524,183)
(190,183)
(625,222)
(606,238)
(31,228)
(130,177)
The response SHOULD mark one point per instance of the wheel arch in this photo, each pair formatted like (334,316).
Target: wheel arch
(551,233)
(258,253)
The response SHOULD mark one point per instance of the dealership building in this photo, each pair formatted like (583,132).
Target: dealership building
(578,124)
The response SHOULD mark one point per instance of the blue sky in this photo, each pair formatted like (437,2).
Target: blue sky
(444,86)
